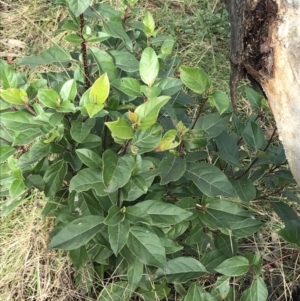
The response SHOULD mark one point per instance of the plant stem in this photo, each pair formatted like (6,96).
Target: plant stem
(84,54)
(199,112)
(29,108)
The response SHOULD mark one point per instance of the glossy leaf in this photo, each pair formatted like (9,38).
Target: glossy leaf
(100,90)
(195,79)
(210,180)
(195,139)
(127,85)
(149,66)
(181,269)
(74,38)
(93,109)
(125,60)
(148,111)
(257,292)
(169,85)
(14,96)
(254,98)
(49,98)
(77,233)
(69,90)
(120,129)
(169,141)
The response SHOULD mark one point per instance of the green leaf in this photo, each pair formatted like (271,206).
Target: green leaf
(89,158)
(149,66)
(116,170)
(214,124)
(194,139)
(7,76)
(78,7)
(171,169)
(118,236)
(226,244)
(254,136)
(222,287)
(196,292)
(195,79)
(125,60)
(136,215)
(220,100)
(244,189)
(120,129)
(77,233)
(18,121)
(116,291)
(69,90)
(54,177)
(257,292)
(127,85)
(100,90)
(228,149)
(140,183)
(235,266)
(5,152)
(163,213)
(181,269)
(79,257)
(93,109)
(146,140)
(169,141)
(254,98)
(86,179)
(80,130)
(134,272)
(49,98)
(169,85)
(54,54)
(105,62)
(149,24)
(227,215)
(148,111)
(146,246)
(66,107)
(14,96)
(210,180)
(74,38)
(115,216)
(17,187)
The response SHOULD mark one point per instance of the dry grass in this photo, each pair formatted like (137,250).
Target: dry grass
(28,271)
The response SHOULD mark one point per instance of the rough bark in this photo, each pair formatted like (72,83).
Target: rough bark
(270,52)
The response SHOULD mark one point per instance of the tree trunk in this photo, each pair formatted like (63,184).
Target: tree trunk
(265,42)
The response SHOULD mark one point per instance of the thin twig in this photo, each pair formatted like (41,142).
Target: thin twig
(84,54)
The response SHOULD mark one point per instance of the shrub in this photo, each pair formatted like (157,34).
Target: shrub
(140,188)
